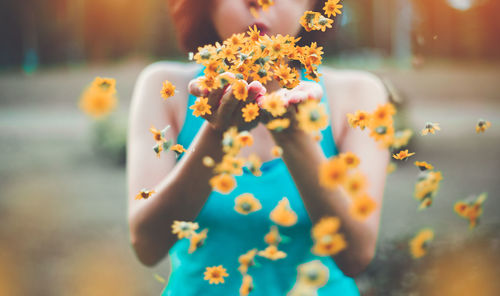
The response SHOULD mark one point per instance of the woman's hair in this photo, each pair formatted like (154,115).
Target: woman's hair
(194,28)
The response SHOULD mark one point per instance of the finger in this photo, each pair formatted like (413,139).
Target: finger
(227,106)
(195,88)
(256,91)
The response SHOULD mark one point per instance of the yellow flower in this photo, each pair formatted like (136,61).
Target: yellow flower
(360,119)
(323,23)
(215,274)
(274,104)
(240,90)
(229,143)
(355,184)
(383,134)
(246,286)
(382,115)
(482,125)
(250,112)
(246,260)
(312,116)
(277,151)
(265,4)
(278,124)
(144,194)
(350,159)
(418,245)
(184,229)
(158,148)
(325,226)
(332,173)
(401,138)
(283,214)
(332,7)
(471,210)
(230,165)
(362,207)
(246,203)
(208,161)
(403,154)
(223,183)
(197,240)
(168,90)
(96,103)
(309,20)
(253,164)
(273,236)
(105,85)
(209,83)
(329,244)
(272,253)
(244,139)
(430,127)
(157,135)
(201,107)
(178,149)
(423,166)
(313,274)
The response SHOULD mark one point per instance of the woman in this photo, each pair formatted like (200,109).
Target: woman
(182,186)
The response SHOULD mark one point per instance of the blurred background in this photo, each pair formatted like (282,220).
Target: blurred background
(63,227)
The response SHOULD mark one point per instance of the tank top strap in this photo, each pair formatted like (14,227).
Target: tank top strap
(192,124)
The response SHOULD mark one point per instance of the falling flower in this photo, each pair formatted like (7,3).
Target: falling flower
(247,260)
(332,173)
(178,148)
(158,148)
(144,194)
(96,103)
(419,244)
(403,154)
(391,167)
(244,139)
(313,274)
(401,138)
(230,165)
(330,244)
(277,151)
(312,116)
(382,115)
(278,124)
(273,236)
(215,274)
(184,229)
(168,90)
(246,286)
(423,166)
(197,240)
(223,183)
(471,210)
(283,214)
(250,112)
(355,184)
(157,135)
(482,125)
(246,203)
(253,164)
(272,253)
(359,119)
(430,127)
(362,207)
(208,161)
(201,107)
(350,159)
(325,226)
(332,8)
(265,4)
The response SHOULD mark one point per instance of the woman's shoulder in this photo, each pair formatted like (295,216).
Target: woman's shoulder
(352,90)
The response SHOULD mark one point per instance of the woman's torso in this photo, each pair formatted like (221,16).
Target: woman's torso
(232,234)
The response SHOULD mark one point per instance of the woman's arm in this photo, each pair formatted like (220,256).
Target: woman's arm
(181,189)
(319,201)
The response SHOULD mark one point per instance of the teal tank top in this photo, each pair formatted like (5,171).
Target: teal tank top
(231,234)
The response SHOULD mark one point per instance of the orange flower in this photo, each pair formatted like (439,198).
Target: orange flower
(332,173)
(178,149)
(265,4)
(215,274)
(97,103)
(329,245)
(223,183)
(197,240)
(350,159)
(247,260)
(482,125)
(274,104)
(382,115)
(283,214)
(423,166)
(144,194)
(272,253)
(183,228)
(201,107)
(278,124)
(418,245)
(403,154)
(250,112)
(362,207)
(246,286)
(246,203)
(332,7)
(273,236)
(430,127)
(360,118)
(325,226)
(244,139)
(157,135)
(277,151)
(253,164)
(355,184)
(168,90)
(312,116)
(240,90)
(105,85)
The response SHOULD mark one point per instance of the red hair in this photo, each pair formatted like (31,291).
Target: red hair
(194,28)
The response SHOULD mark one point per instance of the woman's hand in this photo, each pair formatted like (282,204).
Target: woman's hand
(225,107)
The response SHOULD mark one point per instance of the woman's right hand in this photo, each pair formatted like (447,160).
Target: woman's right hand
(225,107)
